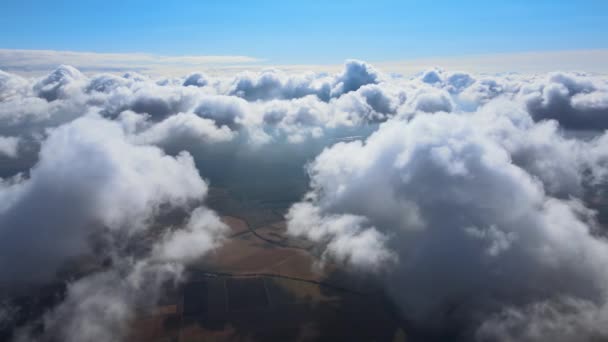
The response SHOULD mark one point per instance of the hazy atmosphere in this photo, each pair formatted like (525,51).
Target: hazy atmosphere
(303,171)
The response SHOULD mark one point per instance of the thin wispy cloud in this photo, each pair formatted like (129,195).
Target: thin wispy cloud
(523,62)
(41,61)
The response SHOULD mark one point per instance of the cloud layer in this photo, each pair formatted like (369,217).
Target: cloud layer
(470,199)
(482,211)
(93,186)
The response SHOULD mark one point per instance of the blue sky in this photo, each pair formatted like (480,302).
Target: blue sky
(306,31)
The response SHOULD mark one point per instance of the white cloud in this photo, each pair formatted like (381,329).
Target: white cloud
(36,61)
(89,177)
(201,233)
(9,146)
(449,187)
(576,101)
(565,319)
(184,130)
(100,307)
(470,205)
(93,184)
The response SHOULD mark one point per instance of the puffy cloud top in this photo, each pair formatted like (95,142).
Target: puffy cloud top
(54,85)
(196,79)
(89,177)
(576,101)
(472,199)
(471,213)
(355,75)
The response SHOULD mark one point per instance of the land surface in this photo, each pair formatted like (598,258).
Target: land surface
(263,285)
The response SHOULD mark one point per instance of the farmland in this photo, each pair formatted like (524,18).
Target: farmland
(262,284)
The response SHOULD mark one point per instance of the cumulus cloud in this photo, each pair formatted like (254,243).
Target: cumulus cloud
(92,183)
(57,84)
(348,237)
(432,76)
(101,306)
(243,103)
(274,84)
(576,101)
(256,104)
(11,85)
(196,79)
(153,100)
(433,101)
(9,146)
(474,220)
(184,130)
(355,75)
(200,234)
(88,177)
(467,197)
(564,319)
